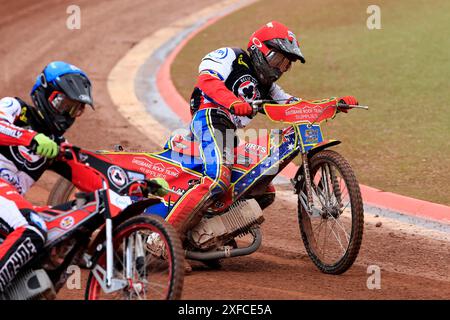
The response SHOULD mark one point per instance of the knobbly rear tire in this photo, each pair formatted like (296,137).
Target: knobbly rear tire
(357,213)
(61,192)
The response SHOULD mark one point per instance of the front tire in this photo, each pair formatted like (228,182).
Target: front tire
(333,238)
(153,277)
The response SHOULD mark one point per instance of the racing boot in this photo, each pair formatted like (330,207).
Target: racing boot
(157,248)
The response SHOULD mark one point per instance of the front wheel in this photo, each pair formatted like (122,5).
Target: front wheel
(148,260)
(332,233)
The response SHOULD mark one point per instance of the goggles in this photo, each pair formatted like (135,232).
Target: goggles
(278,60)
(63,105)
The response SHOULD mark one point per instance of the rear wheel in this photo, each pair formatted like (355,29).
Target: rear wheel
(63,191)
(332,235)
(148,257)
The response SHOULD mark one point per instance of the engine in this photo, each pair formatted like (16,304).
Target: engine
(217,230)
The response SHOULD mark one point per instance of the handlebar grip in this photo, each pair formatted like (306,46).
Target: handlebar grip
(153,184)
(33,147)
(256,107)
(67,154)
(343,105)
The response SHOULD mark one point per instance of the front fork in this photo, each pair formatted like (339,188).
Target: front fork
(307,201)
(105,277)
(133,251)
(307,181)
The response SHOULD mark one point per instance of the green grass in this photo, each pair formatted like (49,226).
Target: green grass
(402,144)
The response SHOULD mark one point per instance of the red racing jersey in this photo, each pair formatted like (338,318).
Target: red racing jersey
(19,166)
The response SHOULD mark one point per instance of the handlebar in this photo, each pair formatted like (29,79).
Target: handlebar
(67,151)
(351,106)
(258,106)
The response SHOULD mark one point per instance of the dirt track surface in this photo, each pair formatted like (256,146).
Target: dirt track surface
(414,263)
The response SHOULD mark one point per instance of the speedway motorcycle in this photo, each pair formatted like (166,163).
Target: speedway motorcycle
(104,230)
(330,207)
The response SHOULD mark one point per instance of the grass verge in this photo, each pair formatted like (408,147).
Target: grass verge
(402,144)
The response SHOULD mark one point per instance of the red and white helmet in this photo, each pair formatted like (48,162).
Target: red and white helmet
(272,49)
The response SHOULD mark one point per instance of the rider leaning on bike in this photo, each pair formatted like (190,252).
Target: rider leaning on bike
(229,79)
(27,149)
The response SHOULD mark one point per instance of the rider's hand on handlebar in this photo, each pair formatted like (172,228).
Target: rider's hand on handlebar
(45,146)
(158,186)
(241,109)
(348,100)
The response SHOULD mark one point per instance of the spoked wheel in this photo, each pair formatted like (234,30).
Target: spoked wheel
(148,262)
(332,235)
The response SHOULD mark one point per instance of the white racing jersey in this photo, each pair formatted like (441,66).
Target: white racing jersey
(234,67)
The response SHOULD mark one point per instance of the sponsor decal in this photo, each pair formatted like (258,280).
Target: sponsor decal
(155,169)
(67,222)
(27,155)
(133,176)
(6,103)
(219,54)
(119,201)
(246,87)
(247,90)
(117,176)
(25,159)
(43,80)
(309,113)
(256,42)
(37,219)
(311,136)
(254,148)
(84,98)
(11,132)
(226,175)
(178,191)
(83,157)
(240,61)
(193,182)
(24,252)
(11,177)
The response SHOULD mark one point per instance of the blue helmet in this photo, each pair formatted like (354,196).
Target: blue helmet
(60,94)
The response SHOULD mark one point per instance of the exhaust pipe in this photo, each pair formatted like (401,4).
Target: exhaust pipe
(228,253)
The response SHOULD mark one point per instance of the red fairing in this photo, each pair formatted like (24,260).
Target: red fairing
(11,135)
(84,177)
(215,89)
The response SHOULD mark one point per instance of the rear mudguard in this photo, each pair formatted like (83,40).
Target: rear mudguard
(297,180)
